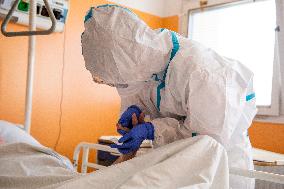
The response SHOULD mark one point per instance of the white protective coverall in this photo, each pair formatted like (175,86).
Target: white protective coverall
(186,89)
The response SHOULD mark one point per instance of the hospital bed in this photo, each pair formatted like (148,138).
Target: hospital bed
(264,173)
(86,147)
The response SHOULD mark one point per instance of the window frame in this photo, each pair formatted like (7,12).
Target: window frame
(272,110)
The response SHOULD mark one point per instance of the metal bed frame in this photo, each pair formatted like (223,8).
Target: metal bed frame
(276,178)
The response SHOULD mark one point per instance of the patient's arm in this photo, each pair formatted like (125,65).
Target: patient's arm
(125,157)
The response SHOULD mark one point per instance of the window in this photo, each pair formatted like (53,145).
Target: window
(245,32)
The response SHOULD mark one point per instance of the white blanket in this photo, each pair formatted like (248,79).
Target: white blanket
(198,162)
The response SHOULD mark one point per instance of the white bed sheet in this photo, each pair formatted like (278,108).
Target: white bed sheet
(198,162)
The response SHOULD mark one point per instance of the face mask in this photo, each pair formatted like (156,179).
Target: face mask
(100,81)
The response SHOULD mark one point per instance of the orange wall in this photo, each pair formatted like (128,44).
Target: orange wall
(89,110)
(267,136)
(171,23)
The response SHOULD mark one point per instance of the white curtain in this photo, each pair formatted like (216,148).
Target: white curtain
(280,36)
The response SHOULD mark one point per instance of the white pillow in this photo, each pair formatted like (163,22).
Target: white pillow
(12,133)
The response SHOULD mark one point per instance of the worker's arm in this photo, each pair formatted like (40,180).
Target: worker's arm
(211,108)
(130,117)
(135,99)
(168,130)
(215,104)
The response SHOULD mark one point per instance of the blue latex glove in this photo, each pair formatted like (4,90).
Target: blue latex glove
(126,118)
(132,140)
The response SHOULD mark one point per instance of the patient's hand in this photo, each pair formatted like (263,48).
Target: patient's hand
(2,141)
(135,122)
(131,117)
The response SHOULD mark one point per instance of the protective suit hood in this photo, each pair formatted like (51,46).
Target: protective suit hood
(120,48)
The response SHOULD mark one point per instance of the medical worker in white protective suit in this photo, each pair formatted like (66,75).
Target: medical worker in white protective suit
(186,89)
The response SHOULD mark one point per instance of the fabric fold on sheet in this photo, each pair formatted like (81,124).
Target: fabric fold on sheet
(194,163)
(27,166)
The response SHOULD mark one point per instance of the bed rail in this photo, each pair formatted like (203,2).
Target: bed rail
(86,147)
(265,176)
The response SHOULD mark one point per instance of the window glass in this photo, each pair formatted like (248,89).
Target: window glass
(244,32)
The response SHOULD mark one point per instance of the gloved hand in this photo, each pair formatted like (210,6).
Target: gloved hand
(132,140)
(132,116)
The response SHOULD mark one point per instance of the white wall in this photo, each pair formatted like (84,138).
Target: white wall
(154,7)
(173,7)
(165,8)
(180,7)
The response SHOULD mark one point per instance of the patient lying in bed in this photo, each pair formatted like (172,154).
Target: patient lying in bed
(198,162)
